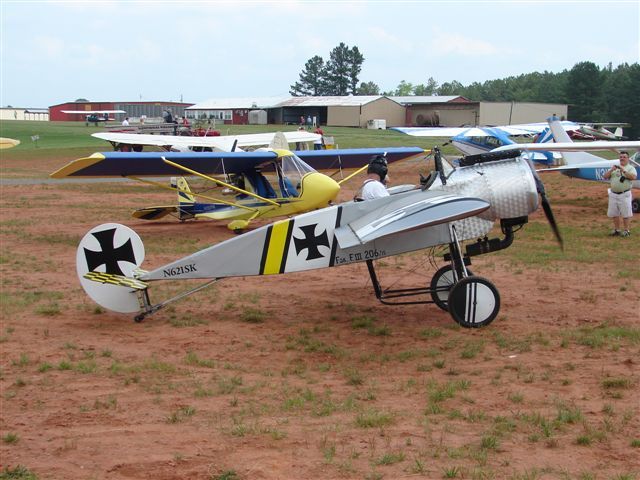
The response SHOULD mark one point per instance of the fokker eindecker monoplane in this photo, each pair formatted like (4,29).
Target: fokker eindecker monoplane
(448,207)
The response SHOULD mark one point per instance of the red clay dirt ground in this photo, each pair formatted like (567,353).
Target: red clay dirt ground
(307,375)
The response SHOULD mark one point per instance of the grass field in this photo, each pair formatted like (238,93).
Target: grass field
(65,135)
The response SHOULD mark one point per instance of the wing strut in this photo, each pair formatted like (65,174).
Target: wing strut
(219,182)
(176,189)
(352,175)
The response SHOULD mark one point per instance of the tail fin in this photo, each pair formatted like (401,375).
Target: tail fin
(618,133)
(184,192)
(107,262)
(279,142)
(561,136)
(544,136)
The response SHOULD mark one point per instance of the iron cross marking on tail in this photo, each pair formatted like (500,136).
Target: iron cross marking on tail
(311,242)
(109,256)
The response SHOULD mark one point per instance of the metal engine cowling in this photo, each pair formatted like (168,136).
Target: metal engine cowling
(508,185)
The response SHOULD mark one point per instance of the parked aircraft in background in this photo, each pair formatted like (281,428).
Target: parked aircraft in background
(226,143)
(598,130)
(94,116)
(477,140)
(8,143)
(587,166)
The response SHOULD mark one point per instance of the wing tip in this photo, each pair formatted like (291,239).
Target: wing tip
(77,165)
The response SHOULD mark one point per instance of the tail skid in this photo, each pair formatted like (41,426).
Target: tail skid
(148,309)
(141,289)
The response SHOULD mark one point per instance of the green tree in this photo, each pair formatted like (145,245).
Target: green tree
(404,89)
(621,101)
(450,88)
(368,88)
(429,89)
(356,59)
(338,70)
(583,91)
(312,78)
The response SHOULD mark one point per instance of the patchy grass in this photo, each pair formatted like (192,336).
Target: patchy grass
(374,418)
(10,438)
(181,414)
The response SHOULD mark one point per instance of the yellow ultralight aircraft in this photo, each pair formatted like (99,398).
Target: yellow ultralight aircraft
(292,186)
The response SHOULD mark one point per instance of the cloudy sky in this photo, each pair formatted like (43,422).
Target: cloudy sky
(54,51)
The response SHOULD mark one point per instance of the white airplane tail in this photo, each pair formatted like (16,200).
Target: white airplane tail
(561,136)
(279,141)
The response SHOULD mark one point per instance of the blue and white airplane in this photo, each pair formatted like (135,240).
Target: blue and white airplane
(478,140)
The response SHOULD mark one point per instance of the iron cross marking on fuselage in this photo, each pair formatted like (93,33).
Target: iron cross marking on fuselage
(109,256)
(311,242)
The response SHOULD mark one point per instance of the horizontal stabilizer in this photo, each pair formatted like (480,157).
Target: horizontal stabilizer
(118,280)
(430,211)
(154,213)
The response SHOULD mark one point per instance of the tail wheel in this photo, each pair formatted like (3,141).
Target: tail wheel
(474,302)
(441,284)
(635,205)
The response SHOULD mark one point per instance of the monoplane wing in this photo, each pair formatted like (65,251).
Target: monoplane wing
(8,143)
(455,131)
(392,217)
(148,164)
(92,112)
(573,147)
(223,143)
(354,157)
(481,131)
(605,124)
(152,164)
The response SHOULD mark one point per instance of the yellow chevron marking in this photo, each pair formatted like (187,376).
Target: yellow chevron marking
(118,280)
(276,247)
(72,167)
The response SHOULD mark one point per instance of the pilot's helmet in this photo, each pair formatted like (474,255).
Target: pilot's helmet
(378,165)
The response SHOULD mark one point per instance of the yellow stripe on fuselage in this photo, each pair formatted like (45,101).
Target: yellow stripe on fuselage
(276,247)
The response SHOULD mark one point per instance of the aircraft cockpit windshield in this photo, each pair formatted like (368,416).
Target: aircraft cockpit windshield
(293,169)
(292,165)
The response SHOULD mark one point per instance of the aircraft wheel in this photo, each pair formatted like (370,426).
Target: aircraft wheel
(441,284)
(474,302)
(635,205)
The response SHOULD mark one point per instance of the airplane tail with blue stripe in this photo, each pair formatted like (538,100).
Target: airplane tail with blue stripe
(184,192)
(545,136)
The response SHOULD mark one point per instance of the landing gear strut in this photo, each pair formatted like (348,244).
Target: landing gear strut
(472,301)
